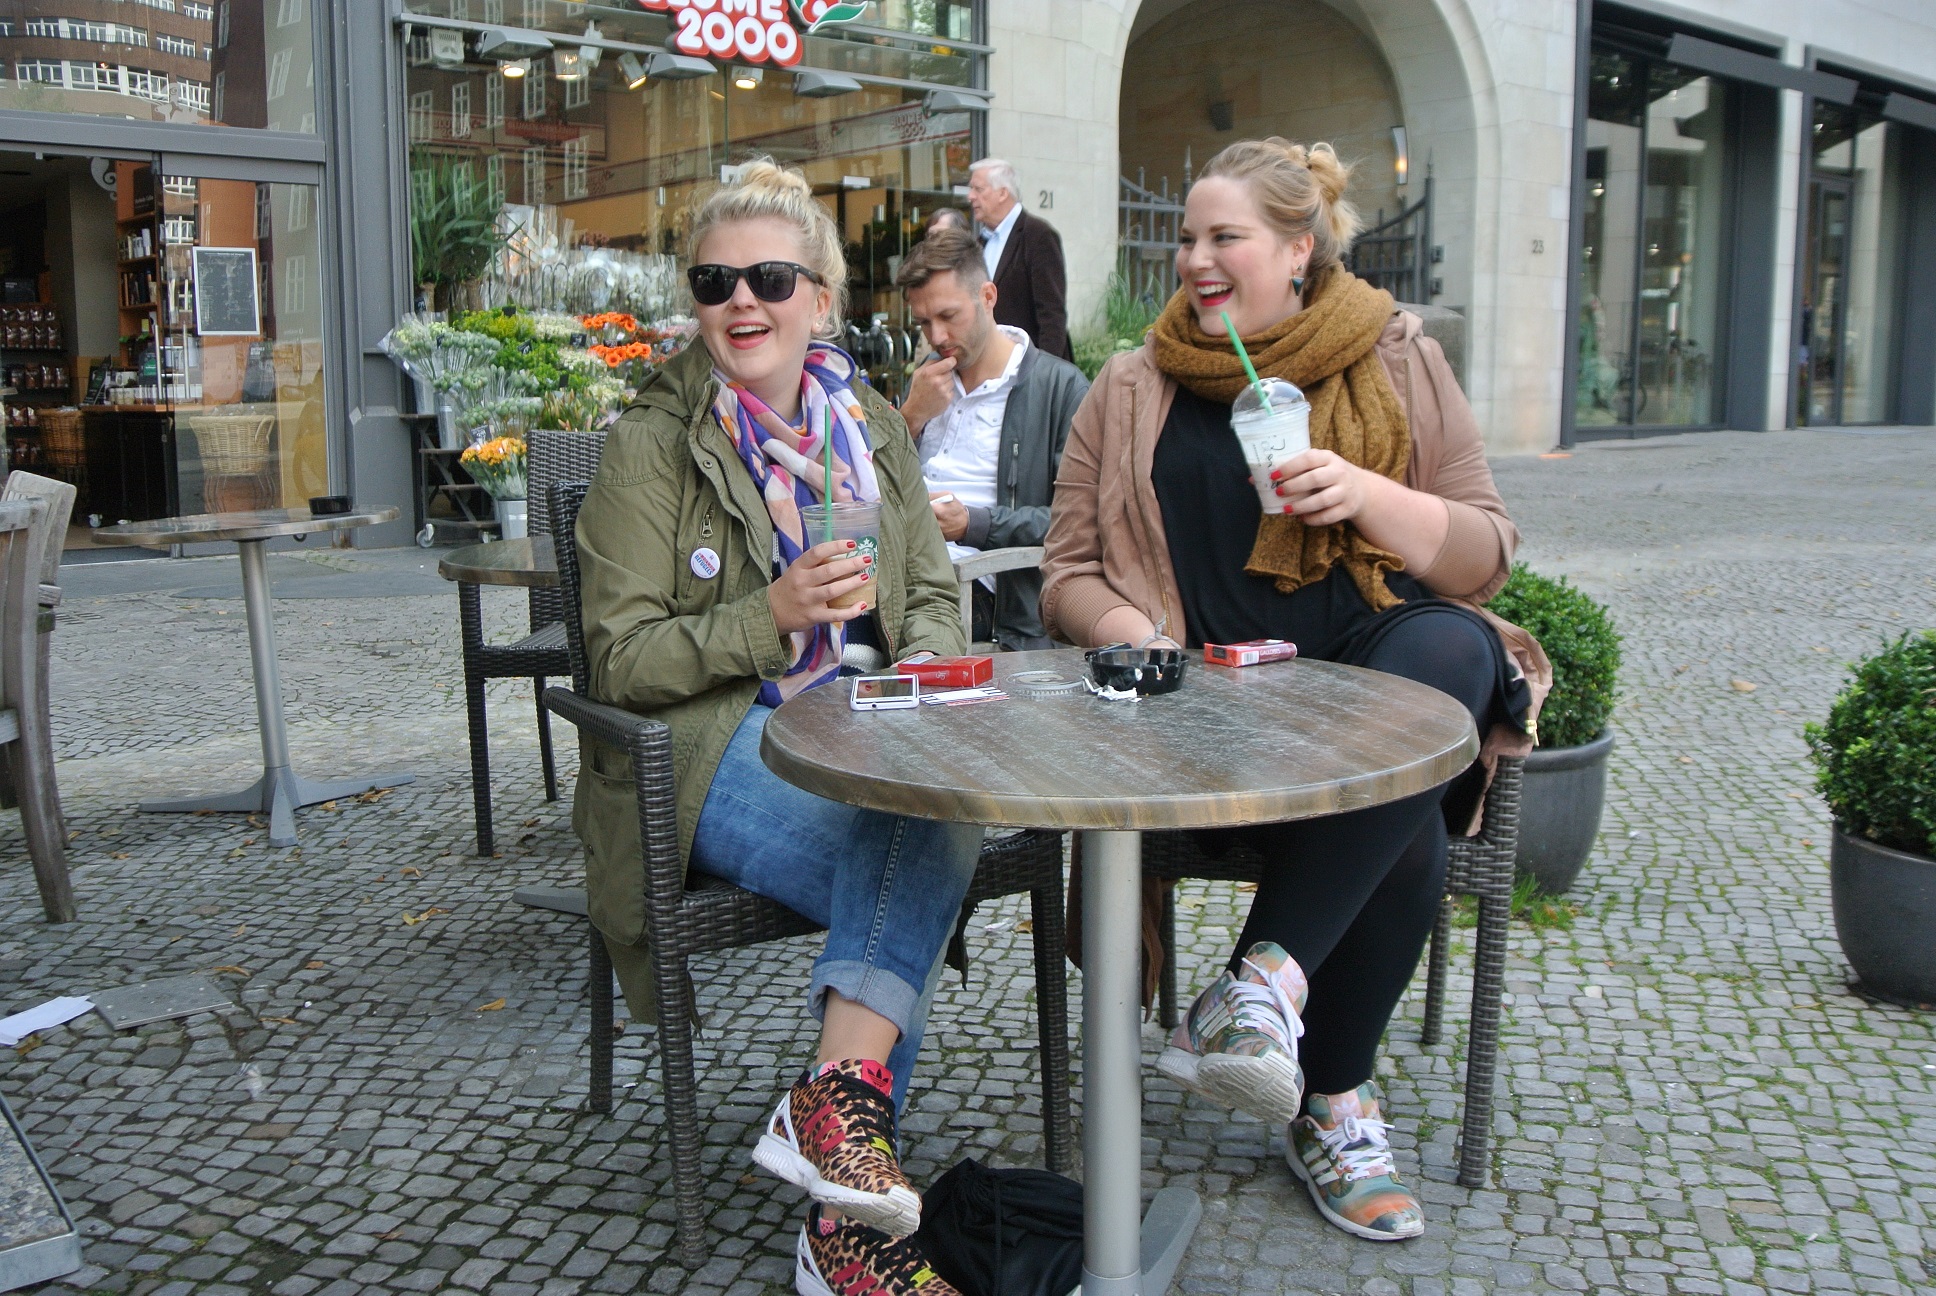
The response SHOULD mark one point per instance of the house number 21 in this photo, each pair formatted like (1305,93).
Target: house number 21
(1045,199)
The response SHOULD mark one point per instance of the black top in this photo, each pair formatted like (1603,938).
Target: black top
(1210,513)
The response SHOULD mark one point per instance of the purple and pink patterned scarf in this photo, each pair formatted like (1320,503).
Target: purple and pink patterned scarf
(787,465)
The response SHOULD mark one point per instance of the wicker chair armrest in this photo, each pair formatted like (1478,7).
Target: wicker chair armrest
(991,562)
(649,744)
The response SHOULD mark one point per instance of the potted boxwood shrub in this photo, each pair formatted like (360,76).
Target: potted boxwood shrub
(1875,763)
(1566,774)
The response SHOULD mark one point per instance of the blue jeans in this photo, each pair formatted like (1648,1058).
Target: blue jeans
(887,888)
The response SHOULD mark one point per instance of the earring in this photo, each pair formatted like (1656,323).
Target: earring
(1297,284)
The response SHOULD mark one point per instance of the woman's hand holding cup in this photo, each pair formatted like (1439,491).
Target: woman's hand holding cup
(1321,487)
(802,597)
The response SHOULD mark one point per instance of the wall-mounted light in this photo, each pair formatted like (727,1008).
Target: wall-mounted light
(1402,163)
(813,84)
(567,65)
(940,101)
(747,78)
(446,47)
(506,43)
(514,68)
(632,70)
(664,65)
(591,51)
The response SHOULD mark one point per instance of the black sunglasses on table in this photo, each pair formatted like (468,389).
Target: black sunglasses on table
(771,281)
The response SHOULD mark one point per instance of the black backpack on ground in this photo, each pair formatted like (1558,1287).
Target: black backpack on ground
(1003,1232)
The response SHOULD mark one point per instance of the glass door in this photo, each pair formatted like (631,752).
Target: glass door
(1824,303)
(239,341)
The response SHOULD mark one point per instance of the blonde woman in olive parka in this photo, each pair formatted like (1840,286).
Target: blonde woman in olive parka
(706,604)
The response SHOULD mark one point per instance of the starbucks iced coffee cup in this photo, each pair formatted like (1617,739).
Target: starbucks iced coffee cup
(860,523)
(1272,426)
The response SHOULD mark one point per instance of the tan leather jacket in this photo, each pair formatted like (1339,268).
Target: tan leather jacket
(1106,547)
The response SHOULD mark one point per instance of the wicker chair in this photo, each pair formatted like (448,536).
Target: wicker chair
(1480,866)
(550,457)
(690,913)
(23,523)
(235,457)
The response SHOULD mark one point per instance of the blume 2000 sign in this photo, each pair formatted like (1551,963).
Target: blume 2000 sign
(748,31)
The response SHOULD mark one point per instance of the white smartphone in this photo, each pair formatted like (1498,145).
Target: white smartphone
(885,692)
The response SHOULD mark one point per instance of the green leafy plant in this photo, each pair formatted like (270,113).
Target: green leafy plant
(454,232)
(1875,758)
(1125,317)
(1530,905)
(1579,640)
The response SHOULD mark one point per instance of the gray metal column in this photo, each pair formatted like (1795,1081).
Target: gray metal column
(1112,1080)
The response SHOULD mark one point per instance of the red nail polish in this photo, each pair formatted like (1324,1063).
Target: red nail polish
(850,544)
(866,561)
(1274,474)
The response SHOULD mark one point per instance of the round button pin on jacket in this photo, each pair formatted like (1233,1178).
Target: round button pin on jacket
(705,564)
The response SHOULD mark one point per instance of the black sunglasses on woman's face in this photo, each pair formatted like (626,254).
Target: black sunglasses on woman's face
(771,281)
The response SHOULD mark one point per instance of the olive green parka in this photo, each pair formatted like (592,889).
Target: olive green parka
(691,651)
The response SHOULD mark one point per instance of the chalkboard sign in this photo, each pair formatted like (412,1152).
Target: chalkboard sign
(226,304)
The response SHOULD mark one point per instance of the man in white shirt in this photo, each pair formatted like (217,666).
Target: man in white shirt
(990,412)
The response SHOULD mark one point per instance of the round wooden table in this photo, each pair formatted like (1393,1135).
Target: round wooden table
(1264,744)
(280,792)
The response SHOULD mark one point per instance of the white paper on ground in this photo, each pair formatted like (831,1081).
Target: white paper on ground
(52,1013)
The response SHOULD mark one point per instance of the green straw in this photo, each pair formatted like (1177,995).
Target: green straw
(827,486)
(1244,356)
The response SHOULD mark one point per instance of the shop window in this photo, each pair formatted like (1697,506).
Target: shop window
(534,91)
(1854,228)
(460,110)
(1652,264)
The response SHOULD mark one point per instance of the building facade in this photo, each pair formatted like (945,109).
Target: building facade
(1653,216)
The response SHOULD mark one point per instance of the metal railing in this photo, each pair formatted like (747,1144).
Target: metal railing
(1396,254)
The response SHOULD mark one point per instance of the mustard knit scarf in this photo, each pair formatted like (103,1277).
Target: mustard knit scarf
(1329,350)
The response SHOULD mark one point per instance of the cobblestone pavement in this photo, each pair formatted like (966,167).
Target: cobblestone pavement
(1693,1100)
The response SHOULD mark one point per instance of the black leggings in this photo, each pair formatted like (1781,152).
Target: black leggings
(1352,896)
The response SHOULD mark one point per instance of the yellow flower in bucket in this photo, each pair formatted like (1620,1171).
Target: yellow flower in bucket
(498,466)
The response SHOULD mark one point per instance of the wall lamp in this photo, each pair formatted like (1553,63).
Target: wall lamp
(567,65)
(1402,167)
(664,65)
(811,84)
(514,68)
(940,101)
(508,43)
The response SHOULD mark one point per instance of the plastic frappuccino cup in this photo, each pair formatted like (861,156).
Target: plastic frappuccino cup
(1272,426)
(860,523)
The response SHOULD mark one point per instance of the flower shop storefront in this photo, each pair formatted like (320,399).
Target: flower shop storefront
(557,150)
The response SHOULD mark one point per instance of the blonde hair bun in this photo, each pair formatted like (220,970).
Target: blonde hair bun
(1300,190)
(766,190)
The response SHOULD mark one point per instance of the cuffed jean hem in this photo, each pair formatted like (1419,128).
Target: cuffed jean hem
(870,986)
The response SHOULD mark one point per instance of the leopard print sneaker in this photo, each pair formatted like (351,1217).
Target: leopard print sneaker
(850,1259)
(833,1135)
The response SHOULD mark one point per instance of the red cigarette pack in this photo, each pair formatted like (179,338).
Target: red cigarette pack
(950,672)
(1249,653)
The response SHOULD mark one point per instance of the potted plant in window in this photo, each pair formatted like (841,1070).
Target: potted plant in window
(1875,763)
(1566,774)
(454,230)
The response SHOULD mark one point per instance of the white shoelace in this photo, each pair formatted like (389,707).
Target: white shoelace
(1251,999)
(1355,1162)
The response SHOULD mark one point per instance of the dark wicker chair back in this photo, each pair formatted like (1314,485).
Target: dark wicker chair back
(553,456)
(566,498)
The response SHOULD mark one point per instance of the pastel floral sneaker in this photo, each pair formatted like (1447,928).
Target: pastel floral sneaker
(1340,1150)
(1237,1046)
(850,1259)
(833,1135)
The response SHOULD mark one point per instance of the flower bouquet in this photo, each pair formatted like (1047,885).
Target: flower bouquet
(498,465)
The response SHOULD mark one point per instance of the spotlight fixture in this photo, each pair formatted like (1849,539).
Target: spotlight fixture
(747,78)
(632,70)
(514,68)
(1402,165)
(811,84)
(940,101)
(567,64)
(507,43)
(664,65)
(591,51)
(446,48)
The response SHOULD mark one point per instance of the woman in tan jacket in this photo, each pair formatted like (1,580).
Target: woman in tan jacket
(1393,537)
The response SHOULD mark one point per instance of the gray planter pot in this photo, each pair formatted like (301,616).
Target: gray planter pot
(1559,811)
(1885,917)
